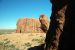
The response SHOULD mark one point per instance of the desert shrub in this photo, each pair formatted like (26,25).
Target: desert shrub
(27,44)
(35,39)
(41,40)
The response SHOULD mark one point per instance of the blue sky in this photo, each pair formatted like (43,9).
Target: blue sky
(12,10)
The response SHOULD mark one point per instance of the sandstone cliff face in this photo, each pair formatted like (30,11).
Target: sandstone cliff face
(30,25)
(61,26)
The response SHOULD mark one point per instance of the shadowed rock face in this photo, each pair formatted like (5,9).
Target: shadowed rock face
(60,35)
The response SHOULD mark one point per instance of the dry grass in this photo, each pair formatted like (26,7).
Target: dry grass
(23,40)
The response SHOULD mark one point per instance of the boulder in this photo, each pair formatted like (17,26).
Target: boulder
(44,22)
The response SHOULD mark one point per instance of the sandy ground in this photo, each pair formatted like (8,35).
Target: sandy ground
(19,39)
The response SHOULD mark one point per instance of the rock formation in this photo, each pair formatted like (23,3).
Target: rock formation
(60,35)
(44,22)
(30,25)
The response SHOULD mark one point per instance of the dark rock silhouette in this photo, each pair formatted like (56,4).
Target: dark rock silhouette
(60,35)
(44,22)
(40,47)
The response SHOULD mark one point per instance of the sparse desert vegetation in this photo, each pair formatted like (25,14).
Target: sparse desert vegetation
(6,31)
(20,41)
(7,45)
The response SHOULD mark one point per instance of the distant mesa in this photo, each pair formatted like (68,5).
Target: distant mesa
(30,25)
